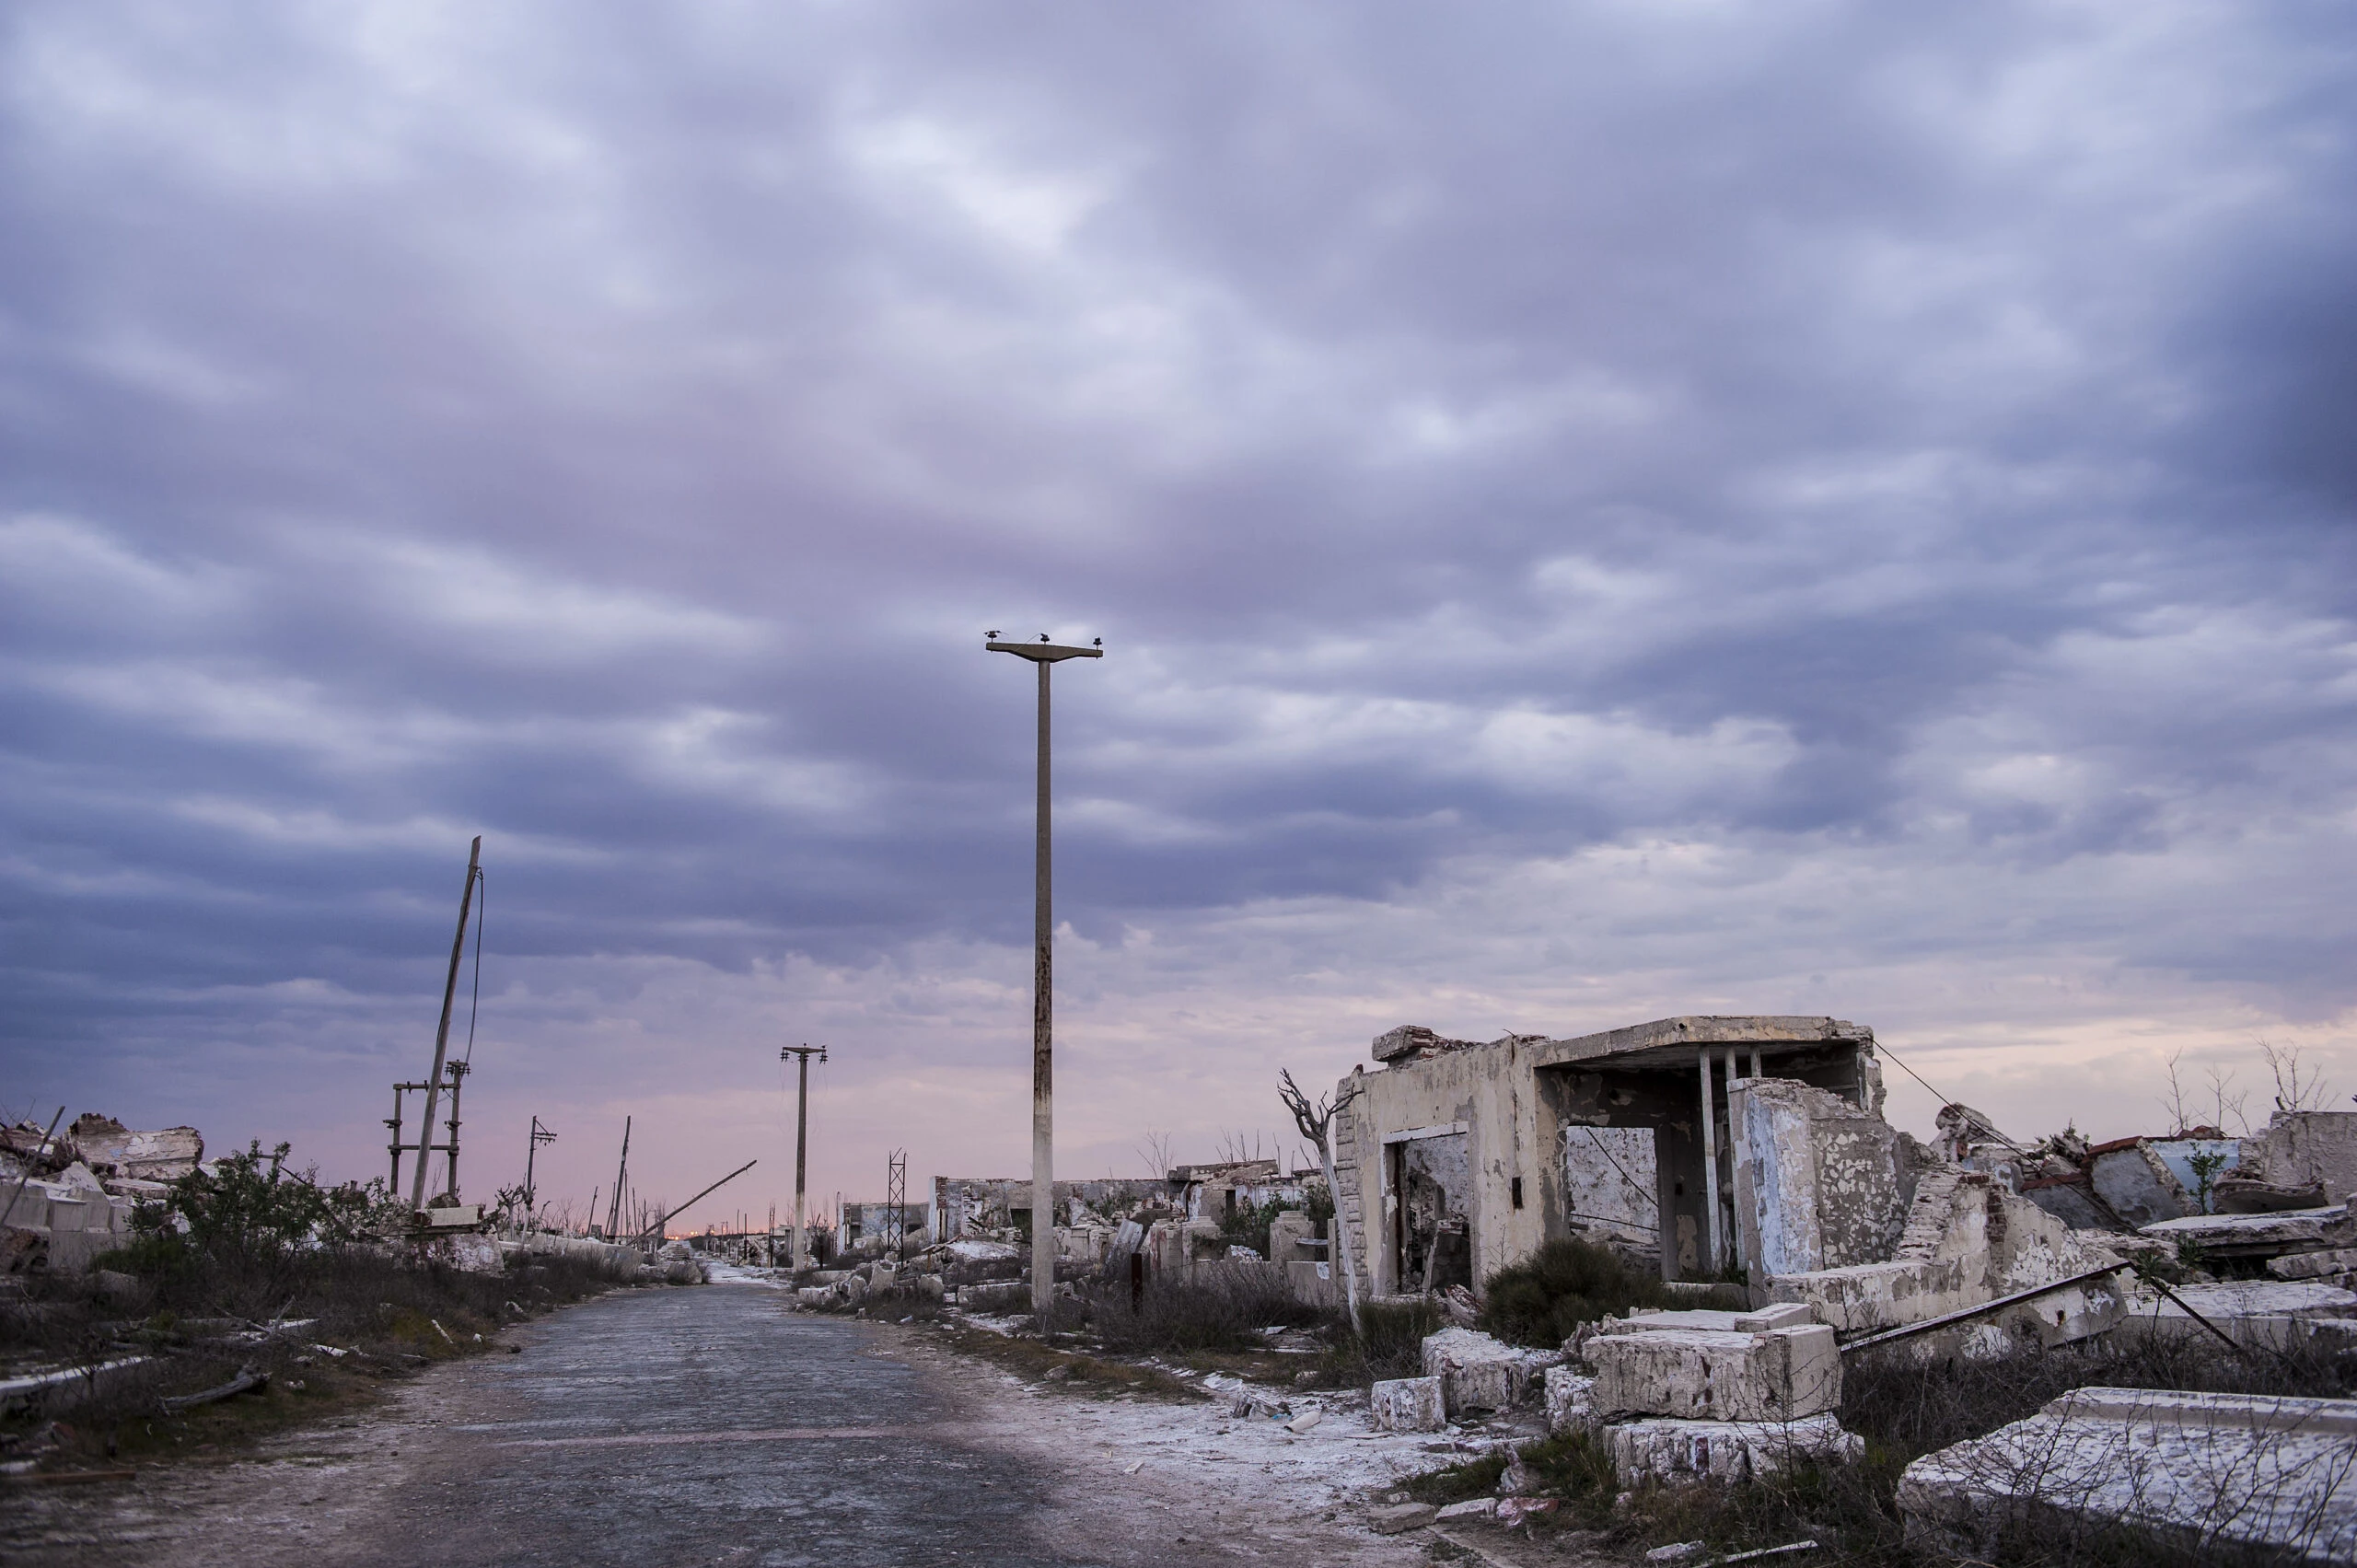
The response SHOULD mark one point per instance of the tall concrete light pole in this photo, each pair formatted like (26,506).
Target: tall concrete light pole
(801,1256)
(1043,926)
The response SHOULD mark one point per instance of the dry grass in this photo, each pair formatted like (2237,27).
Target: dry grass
(199,1321)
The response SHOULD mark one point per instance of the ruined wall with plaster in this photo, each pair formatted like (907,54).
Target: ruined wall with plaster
(1819,1183)
(1609,1176)
(2305,1146)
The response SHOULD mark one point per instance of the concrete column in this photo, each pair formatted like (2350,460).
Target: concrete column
(1735,1157)
(1755,1064)
(1710,1165)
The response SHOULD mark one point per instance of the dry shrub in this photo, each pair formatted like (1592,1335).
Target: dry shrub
(1209,1306)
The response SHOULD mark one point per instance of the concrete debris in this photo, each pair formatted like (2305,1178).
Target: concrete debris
(1568,1398)
(1408,1404)
(1675,1452)
(2335,1264)
(1479,1373)
(1677,1552)
(114,1150)
(1515,1511)
(2232,1237)
(1399,1518)
(2215,1469)
(1664,1363)
(1470,1508)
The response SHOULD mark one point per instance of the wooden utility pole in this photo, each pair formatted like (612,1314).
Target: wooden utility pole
(1043,1007)
(442,1035)
(614,1218)
(801,1257)
(540,1135)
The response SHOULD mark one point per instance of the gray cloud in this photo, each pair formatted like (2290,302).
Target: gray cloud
(1593,511)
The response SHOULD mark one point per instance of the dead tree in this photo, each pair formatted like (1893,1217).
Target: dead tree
(1317,1123)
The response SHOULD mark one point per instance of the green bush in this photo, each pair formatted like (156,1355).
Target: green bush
(1542,1299)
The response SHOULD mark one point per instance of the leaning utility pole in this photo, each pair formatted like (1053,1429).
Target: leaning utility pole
(1043,1176)
(442,1035)
(614,1219)
(801,1258)
(540,1135)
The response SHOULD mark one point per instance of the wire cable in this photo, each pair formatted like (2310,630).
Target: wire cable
(474,1003)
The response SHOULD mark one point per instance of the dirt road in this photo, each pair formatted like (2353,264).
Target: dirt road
(662,1428)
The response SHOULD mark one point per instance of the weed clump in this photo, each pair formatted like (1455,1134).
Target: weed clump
(1209,1307)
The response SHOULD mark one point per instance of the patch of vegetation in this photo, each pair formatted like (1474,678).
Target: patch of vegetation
(1454,1483)
(1208,1307)
(199,1287)
(1541,1300)
(1389,1343)
(1079,1372)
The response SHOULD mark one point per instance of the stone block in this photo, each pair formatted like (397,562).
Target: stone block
(2216,1471)
(1479,1373)
(1879,1296)
(1715,1375)
(1676,1452)
(1407,1404)
(2314,1265)
(1471,1508)
(1567,1398)
(1399,1518)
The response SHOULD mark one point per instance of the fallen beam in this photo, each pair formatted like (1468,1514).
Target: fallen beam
(1965,1315)
(247,1380)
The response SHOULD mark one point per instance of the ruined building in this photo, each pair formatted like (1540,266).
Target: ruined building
(1700,1145)
(1457,1158)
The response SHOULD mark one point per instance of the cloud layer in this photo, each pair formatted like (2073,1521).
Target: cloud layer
(1594,514)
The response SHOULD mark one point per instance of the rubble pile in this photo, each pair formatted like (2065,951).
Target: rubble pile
(69,1196)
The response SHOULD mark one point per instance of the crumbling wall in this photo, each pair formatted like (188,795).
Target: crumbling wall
(1969,1239)
(2313,1146)
(1819,1183)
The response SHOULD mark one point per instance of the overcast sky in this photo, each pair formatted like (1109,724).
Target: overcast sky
(1595,512)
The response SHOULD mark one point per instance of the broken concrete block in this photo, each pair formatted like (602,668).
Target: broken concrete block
(1712,1375)
(2212,1469)
(1407,1404)
(2261,1236)
(1776,1314)
(1471,1508)
(1674,1452)
(2314,1265)
(2316,1147)
(163,1155)
(1479,1373)
(1399,1518)
(1877,1295)
(1818,1182)
(1567,1397)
